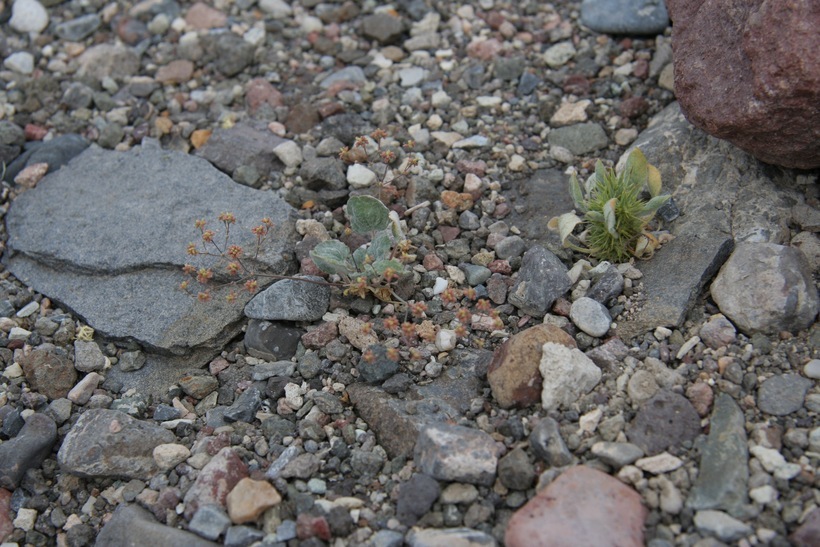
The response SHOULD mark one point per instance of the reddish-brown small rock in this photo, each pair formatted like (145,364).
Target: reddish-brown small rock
(513,375)
(320,336)
(175,72)
(215,480)
(748,71)
(6,524)
(581,507)
(260,92)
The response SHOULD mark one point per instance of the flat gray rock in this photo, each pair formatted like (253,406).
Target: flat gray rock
(725,195)
(106,237)
(291,300)
(723,477)
(397,422)
(133,526)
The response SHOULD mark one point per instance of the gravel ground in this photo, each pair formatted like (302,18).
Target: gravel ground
(490,92)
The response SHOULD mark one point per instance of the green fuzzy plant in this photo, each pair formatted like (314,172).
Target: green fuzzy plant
(615,218)
(375,266)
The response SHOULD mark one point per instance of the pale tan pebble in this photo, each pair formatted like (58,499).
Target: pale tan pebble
(249,499)
(168,456)
(31,175)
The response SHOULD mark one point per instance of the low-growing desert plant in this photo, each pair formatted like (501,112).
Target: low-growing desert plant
(615,217)
(374,266)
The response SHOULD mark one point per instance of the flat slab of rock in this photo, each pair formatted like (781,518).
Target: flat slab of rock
(397,422)
(725,196)
(132,525)
(583,506)
(111,248)
(457,453)
(723,478)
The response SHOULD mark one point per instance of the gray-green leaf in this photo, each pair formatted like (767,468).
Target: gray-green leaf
(367,214)
(333,257)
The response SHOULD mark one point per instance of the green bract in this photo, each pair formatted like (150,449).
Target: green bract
(614,215)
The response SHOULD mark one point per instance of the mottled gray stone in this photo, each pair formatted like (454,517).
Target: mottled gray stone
(243,145)
(416,497)
(397,422)
(209,521)
(590,316)
(616,454)
(541,280)
(721,525)
(581,138)
(664,421)
(457,453)
(271,341)
(515,470)
(26,450)
(781,395)
(78,28)
(244,407)
(765,287)
(109,443)
(548,445)
(291,300)
(723,474)
(61,250)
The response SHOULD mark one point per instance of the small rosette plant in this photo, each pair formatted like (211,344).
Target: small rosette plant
(375,266)
(615,217)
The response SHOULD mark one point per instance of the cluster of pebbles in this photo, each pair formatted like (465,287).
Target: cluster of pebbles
(716,431)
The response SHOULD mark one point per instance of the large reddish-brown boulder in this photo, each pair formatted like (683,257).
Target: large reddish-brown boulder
(748,71)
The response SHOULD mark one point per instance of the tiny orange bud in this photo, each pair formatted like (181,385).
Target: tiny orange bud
(192,250)
(204,297)
(251,285)
(208,236)
(227,218)
(392,354)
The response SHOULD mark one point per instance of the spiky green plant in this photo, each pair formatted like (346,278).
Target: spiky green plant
(615,217)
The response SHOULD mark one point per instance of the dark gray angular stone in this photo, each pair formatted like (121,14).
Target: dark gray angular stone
(607,286)
(781,395)
(74,254)
(242,536)
(723,474)
(548,445)
(245,407)
(416,497)
(541,280)
(109,443)
(321,173)
(664,421)
(243,145)
(515,470)
(232,54)
(271,341)
(625,16)
(291,300)
(375,366)
(209,521)
(27,450)
(56,153)
(133,526)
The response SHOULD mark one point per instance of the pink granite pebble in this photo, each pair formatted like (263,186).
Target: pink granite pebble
(583,506)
